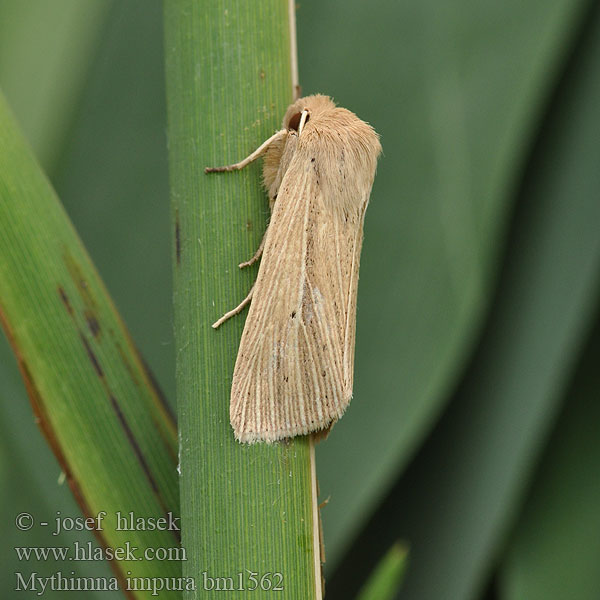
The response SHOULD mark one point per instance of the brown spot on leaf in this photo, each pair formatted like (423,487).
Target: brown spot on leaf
(80,281)
(133,442)
(93,358)
(92,323)
(140,456)
(65,299)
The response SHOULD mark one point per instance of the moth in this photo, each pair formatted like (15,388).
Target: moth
(294,369)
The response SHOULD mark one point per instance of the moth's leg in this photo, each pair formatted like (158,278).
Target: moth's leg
(256,154)
(257,254)
(238,309)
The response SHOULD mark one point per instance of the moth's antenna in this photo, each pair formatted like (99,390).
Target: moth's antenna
(303,120)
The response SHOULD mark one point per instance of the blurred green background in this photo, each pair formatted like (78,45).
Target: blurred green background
(473,432)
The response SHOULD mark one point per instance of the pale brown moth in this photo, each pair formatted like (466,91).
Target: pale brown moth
(295,363)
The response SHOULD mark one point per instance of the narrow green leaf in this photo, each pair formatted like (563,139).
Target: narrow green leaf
(32,476)
(245,509)
(112,178)
(385,581)
(92,396)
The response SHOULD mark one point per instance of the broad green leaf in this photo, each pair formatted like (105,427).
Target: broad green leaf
(455,90)
(460,495)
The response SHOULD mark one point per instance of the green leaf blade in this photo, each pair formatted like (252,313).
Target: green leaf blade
(244,508)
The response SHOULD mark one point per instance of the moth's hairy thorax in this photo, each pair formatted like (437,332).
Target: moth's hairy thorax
(337,147)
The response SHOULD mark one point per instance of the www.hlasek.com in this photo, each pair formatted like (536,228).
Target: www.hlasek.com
(86,551)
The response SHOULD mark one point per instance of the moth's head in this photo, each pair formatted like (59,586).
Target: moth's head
(305,109)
